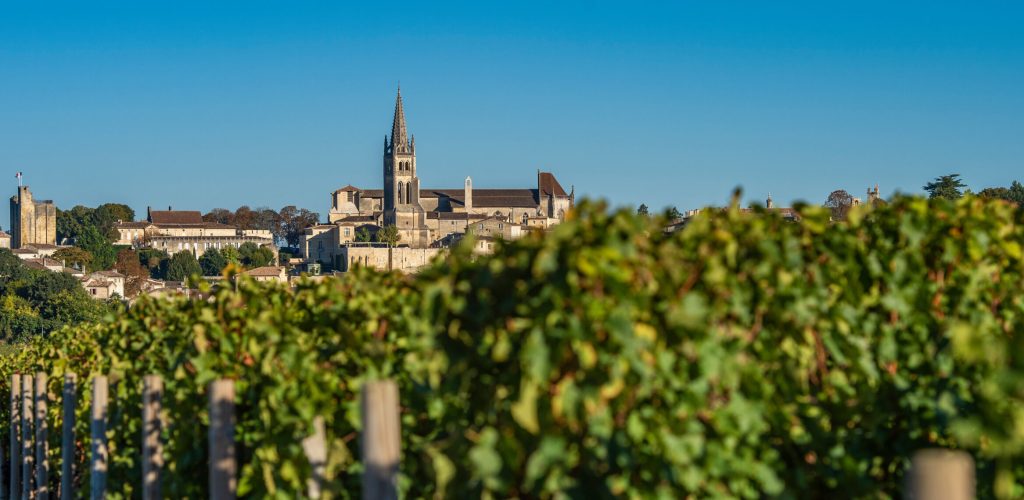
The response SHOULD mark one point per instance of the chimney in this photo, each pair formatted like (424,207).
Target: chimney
(468,194)
(149,214)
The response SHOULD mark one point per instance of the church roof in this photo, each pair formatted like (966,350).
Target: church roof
(484,198)
(549,185)
(399,134)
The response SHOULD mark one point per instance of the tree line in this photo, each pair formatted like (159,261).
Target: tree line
(287,225)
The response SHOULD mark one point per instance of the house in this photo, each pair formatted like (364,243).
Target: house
(104,284)
(5,240)
(268,273)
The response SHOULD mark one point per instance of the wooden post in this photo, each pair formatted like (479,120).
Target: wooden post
(98,477)
(42,444)
(152,449)
(222,440)
(26,436)
(15,486)
(315,447)
(67,438)
(942,474)
(381,440)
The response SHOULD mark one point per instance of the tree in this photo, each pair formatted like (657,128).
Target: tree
(643,210)
(129,264)
(231,255)
(71,223)
(103,253)
(212,262)
(389,235)
(673,214)
(996,193)
(221,216)
(1016,193)
(245,218)
(73,257)
(106,216)
(947,187)
(839,203)
(182,266)
(254,255)
(155,261)
(294,222)
(363,235)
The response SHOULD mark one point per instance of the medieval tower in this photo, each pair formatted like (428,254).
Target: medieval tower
(32,222)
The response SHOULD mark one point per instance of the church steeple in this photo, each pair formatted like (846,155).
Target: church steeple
(399,135)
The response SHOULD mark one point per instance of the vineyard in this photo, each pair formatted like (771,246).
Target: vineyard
(744,356)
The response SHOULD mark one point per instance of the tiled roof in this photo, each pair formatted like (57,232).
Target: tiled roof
(358,218)
(43,263)
(108,274)
(266,271)
(97,283)
(176,217)
(25,251)
(4,235)
(133,225)
(347,188)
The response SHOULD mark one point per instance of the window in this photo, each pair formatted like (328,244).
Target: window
(348,231)
(349,195)
(400,185)
(408,194)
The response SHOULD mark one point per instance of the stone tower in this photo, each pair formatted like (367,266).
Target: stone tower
(32,222)
(401,185)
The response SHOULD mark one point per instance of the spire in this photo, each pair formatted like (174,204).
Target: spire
(399,137)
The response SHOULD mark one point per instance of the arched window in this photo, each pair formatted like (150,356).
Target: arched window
(400,192)
(408,194)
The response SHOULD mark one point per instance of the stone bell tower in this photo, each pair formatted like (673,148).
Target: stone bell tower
(402,207)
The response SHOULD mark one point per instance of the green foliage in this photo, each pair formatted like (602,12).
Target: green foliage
(1014,193)
(72,223)
(363,235)
(182,266)
(744,356)
(232,255)
(947,187)
(106,216)
(73,257)
(212,262)
(36,301)
(155,261)
(253,255)
(389,235)
(103,253)
(643,210)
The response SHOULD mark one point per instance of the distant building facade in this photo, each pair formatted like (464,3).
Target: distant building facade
(32,222)
(425,218)
(174,231)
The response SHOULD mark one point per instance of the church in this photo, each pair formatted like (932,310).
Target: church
(427,217)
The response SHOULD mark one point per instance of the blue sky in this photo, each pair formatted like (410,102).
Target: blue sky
(219,104)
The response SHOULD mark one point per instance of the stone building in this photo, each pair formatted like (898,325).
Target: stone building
(425,217)
(176,230)
(32,222)
(5,240)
